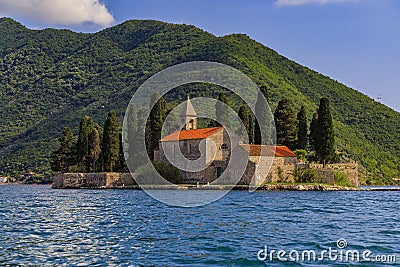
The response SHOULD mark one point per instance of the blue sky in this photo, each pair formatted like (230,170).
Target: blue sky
(356,42)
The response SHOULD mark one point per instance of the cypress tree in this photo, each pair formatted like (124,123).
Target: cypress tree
(100,161)
(82,146)
(64,156)
(244,117)
(302,134)
(121,164)
(148,139)
(110,141)
(94,148)
(313,129)
(251,128)
(324,138)
(262,120)
(133,136)
(286,124)
(138,128)
(155,123)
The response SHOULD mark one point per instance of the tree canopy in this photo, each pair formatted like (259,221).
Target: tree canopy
(286,124)
(324,134)
(302,129)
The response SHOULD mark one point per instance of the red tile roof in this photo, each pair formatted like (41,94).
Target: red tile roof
(254,150)
(258,150)
(284,151)
(192,134)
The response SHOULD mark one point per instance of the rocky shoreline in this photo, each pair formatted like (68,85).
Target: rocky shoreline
(306,187)
(267,187)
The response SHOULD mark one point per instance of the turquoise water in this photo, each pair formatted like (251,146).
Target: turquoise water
(42,226)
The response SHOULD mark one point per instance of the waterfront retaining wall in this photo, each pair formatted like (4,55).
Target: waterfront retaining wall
(349,169)
(93,180)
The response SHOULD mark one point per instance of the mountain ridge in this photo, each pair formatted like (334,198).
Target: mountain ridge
(59,75)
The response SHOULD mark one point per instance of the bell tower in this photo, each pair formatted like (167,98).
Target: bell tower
(188,116)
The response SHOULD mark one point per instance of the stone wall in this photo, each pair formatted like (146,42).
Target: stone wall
(350,169)
(73,180)
(326,176)
(58,181)
(93,180)
(281,172)
(213,145)
(248,174)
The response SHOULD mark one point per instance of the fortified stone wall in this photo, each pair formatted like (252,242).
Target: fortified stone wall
(326,176)
(72,180)
(93,180)
(281,171)
(248,174)
(350,169)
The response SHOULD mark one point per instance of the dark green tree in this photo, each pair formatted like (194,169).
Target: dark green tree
(121,164)
(100,161)
(133,137)
(244,117)
(251,128)
(313,130)
(263,120)
(64,156)
(94,148)
(286,124)
(82,145)
(302,129)
(138,129)
(111,141)
(155,123)
(325,137)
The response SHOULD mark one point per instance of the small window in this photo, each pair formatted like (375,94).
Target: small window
(224,146)
(191,124)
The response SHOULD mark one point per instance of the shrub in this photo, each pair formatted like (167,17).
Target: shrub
(302,175)
(280,174)
(301,154)
(146,173)
(342,180)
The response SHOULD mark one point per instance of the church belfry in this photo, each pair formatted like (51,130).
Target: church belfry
(188,116)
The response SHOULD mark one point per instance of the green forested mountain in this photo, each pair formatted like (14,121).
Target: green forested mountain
(51,78)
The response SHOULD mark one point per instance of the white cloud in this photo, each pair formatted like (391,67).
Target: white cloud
(58,12)
(306,2)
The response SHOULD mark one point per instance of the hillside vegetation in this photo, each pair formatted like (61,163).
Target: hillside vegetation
(51,78)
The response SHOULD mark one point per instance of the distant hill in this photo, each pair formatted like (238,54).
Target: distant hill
(51,78)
